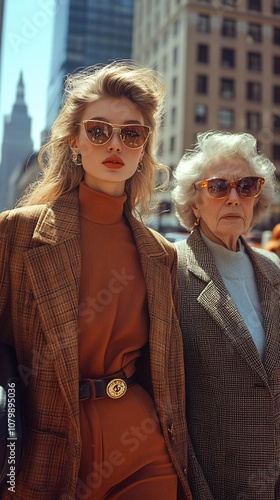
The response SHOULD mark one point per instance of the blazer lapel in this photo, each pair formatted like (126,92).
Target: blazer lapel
(218,303)
(160,311)
(54,273)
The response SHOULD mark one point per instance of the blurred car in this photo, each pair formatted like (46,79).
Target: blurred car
(175,236)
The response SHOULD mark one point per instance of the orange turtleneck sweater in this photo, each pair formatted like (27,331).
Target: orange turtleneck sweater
(113,326)
(113,314)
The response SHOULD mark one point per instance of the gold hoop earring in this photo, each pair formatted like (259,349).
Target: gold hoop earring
(197,222)
(76,158)
(140,166)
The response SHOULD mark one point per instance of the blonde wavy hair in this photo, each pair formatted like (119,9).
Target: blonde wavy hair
(119,79)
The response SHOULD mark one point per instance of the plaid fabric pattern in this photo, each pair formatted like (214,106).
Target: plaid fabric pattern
(39,285)
(233,402)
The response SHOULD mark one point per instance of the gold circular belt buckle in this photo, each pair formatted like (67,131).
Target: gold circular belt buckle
(116,388)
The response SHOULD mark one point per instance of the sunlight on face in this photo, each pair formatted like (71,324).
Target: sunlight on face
(224,220)
(108,166)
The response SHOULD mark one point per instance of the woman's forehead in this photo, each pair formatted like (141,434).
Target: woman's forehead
(228,168)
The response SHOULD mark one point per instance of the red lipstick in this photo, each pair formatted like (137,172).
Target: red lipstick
(113,162)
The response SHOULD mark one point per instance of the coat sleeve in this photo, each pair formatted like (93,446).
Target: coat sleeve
(197,481)
(5,316)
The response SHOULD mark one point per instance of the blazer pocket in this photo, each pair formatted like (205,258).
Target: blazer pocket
(45,461)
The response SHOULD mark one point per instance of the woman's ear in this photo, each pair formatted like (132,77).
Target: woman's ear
(72,141)
(195,210)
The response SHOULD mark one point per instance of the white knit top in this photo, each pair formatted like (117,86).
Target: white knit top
(237,273)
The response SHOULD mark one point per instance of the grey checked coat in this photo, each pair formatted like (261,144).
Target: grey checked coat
(233,399)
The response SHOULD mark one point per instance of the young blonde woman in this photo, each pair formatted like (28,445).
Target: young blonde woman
(88,298)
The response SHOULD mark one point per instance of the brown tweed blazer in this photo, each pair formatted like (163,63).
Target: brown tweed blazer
(233,399)
(39,286)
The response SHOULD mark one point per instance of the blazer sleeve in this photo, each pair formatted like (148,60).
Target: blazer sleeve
(5,315)
(197,481)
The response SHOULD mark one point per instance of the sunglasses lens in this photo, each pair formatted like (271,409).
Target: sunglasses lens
(134,136)
(249,187)
(98,132)
(218,188)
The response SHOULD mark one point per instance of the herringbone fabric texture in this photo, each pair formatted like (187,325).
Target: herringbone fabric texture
(233,403)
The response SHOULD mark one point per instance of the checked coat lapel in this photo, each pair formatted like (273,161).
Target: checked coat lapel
(54,273)
(215,299)
(152,256)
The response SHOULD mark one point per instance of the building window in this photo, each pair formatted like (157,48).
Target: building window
(203,23)
(276,65)
(226,118)
(176,27)
(255,32)
(202,84)
(228,27)
(228,58)
(172,144)
(174,86)
(276,36)
(229,3)
(254,91)
(167,7)
(253,121)
(276,94)
(254,5)
(276,123)
(276,151)
(202,53)
(175,56)
(173,115)
(200,113)
(276,6)
(254,61)
(227,88)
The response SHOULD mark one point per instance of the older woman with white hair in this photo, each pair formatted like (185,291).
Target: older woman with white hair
(230,318)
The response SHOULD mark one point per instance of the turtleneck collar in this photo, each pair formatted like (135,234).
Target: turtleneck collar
(231,265)
(99,207)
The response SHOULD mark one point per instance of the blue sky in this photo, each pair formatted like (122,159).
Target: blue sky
(27,46)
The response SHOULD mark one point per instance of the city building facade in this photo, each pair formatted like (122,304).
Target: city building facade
(92,33)
(220,60)
(17,144)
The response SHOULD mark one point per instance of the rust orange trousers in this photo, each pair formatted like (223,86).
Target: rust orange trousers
(124,456)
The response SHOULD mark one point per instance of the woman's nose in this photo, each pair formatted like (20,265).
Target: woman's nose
(233,197)
(115,143)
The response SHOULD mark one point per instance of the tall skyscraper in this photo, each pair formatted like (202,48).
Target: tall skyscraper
(17,144)
(92,33)
(221,65)
(1,31)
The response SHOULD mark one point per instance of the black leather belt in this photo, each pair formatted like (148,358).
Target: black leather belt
(114,387)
